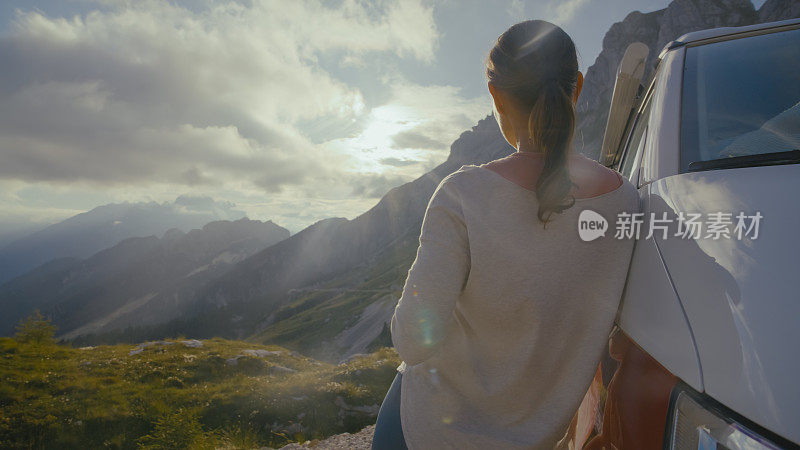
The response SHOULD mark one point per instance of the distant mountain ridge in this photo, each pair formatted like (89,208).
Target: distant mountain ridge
(84,234)
(138,281)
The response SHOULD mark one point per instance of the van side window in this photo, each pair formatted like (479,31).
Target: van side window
(637,138)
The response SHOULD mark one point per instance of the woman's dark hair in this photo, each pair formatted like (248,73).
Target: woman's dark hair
(535,61)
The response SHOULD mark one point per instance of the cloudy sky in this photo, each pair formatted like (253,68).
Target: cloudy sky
(293,110)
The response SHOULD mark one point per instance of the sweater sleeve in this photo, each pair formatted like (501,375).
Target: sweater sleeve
(438,274)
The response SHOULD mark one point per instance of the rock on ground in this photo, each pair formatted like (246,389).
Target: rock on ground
(357,441)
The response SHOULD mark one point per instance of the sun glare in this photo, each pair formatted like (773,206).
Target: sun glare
(376,141)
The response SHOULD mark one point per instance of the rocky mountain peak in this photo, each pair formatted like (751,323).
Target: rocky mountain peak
(483,143)
(773,10)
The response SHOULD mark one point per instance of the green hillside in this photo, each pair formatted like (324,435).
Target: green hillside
(176,393)
(310,322)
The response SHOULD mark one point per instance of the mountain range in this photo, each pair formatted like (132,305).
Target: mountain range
(87,233)
(140,280)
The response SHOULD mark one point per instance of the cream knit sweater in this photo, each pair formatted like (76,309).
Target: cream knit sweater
(501,323)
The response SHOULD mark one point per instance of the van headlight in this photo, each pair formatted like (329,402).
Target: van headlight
(697,424)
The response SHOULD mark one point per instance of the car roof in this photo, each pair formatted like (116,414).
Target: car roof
(711,33)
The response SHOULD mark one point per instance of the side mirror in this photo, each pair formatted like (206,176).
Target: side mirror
(626,86)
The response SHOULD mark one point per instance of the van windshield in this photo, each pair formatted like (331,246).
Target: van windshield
(741,102)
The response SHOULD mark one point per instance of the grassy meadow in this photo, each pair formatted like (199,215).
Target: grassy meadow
(181,393)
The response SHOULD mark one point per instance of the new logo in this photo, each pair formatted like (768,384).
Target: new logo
(591,225)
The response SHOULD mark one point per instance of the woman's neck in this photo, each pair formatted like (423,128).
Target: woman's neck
(526,148)
(524,145)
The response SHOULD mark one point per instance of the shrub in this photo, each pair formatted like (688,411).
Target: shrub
(175,429)
(35,329)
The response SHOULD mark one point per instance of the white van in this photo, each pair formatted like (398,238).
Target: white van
(708,338)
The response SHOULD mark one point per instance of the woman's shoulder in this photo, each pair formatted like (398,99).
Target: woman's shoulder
(594,179)
(464,170)
(463,179)
(458,177)
(454,188)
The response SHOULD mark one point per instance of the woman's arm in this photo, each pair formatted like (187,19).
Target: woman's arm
(436,277)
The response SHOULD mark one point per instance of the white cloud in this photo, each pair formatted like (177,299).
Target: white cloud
(153,92)
(516,9)
(566,10)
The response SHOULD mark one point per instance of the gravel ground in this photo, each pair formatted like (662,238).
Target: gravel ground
(357,441)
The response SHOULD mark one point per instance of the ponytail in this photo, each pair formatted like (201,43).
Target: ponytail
(536,62)
(550,127)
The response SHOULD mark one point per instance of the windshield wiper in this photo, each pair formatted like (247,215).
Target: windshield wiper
(763,159)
